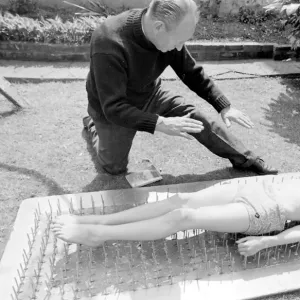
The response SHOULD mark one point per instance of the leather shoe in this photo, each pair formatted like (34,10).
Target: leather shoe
(87,122)
(258,166)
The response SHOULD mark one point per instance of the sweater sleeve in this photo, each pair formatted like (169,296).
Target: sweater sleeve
(197,80)
(111,84)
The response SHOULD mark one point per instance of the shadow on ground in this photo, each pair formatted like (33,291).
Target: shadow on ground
(283,113)
(6,107)
(53,187)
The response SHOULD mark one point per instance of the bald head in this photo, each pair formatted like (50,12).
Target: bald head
(172,12)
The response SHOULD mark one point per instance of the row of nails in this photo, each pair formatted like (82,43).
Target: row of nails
(37,272)
(26,257)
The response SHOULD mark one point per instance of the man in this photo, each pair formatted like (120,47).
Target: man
(128,54)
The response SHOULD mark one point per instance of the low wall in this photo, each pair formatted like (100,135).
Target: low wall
(201,52)
(216,7)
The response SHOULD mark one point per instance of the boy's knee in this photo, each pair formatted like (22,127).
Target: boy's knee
(181,216)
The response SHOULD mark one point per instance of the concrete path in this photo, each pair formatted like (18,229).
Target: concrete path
(78,70)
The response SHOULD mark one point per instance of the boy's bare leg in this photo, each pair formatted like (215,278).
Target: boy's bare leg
(231,217)
(138,213)
(214,195)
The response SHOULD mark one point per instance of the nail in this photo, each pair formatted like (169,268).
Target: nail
(32,285)
(103,204)
(222,265)
(77,271)
(29,240)
(22,269)
(93,204)
(33,233)
(245,262)
(36,217)
(58,207)
(198,271)
(36,274)
(24,260)
(81,208)
(182,258)
(27,259)
(39,209)
(258,259)
(233,264)
(16,295)
(177,243)
(43,246)
(71,208)
(20,277)
(41,253)
(194,252)
(17,284)
(50,206)
(39,266)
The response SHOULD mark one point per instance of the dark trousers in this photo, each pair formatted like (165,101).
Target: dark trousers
(112,143)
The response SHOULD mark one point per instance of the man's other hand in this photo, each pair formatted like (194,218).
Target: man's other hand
(179,126)
(229,114)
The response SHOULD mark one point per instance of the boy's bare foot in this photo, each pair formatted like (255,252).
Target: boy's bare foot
(84,234)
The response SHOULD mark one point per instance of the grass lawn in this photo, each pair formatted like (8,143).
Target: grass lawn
(44,152)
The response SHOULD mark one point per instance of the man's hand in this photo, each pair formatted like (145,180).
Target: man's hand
(250,245)
(179,126)
(229,114)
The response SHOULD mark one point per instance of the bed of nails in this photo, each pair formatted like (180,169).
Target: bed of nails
(52,269)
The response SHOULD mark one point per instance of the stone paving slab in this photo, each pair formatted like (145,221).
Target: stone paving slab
(79,70)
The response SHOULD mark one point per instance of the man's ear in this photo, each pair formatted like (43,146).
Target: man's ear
(159,27)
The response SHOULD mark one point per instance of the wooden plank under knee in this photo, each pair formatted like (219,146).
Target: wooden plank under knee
(11,94)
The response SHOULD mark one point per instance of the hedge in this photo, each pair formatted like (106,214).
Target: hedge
(52,31)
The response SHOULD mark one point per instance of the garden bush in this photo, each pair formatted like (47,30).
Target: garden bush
(253,16)
(54,31)
(22,7)
(290,12)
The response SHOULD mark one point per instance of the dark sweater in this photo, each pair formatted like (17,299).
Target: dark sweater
(125,69)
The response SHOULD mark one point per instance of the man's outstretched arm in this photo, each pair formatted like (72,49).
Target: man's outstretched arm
(111,82)
(193,76)
(198,81)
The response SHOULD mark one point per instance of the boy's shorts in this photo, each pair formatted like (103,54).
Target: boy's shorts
(265,213)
